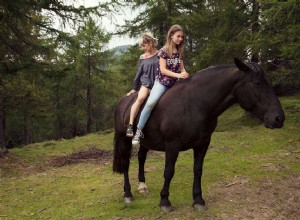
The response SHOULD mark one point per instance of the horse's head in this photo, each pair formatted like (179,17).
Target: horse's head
(255,94)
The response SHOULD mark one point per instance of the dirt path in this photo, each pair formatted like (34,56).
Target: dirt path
(266,199)
(90,155)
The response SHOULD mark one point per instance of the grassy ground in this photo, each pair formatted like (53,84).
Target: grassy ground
(250,172)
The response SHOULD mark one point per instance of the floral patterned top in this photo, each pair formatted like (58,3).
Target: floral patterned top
(173,64)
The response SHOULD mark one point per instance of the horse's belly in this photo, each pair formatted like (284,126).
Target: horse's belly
(153,142)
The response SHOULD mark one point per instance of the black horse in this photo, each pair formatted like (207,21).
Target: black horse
(186,116)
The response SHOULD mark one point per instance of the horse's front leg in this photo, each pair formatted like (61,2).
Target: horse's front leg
(142,155)
(199,154)
(170,160)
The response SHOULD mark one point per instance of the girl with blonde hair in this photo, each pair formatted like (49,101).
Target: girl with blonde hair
(145,76)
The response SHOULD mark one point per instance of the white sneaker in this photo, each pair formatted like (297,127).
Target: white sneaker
(136,139)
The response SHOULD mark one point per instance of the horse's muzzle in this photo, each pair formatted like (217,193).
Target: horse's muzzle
(274,120)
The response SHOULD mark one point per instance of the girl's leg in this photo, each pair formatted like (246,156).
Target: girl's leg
(157,91)
(142,95)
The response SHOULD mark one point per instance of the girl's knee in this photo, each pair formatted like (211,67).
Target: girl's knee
(150,105)
(140,100)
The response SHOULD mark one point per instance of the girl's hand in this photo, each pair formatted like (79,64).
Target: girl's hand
(131,92)
(183,75)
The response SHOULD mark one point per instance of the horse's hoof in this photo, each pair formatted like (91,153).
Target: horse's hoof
(142,188)
(128,199)
(166,209)
(143,191)
(200,208)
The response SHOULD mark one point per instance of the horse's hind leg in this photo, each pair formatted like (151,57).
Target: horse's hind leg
(124,157)
(128,197)
(142,155)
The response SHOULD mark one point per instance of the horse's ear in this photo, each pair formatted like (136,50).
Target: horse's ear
(241,65)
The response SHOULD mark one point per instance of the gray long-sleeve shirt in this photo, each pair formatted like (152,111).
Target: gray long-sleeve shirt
(146,73)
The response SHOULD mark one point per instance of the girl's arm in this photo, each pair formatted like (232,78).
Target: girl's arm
(137,82)
(182,69)
(165,71)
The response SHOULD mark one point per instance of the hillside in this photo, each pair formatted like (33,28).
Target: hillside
(117,51)
(250,172)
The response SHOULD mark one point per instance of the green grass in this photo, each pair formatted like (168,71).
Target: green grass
(30,188)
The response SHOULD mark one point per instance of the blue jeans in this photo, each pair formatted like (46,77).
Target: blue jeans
(156,93)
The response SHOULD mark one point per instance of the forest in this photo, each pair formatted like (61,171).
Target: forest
(58,84)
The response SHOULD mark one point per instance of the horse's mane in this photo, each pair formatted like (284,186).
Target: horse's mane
(210,70)
(215,68)
(257,72)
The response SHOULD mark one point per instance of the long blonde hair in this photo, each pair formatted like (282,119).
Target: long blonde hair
(147,38)
(169,45)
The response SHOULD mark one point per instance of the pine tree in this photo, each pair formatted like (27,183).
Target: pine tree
(25,27)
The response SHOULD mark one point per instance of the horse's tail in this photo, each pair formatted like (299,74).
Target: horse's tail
(122,153)
(122,144)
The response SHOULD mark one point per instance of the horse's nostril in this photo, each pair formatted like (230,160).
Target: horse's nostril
(278,119)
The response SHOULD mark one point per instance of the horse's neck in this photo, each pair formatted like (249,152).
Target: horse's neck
(218,92)
(224,105)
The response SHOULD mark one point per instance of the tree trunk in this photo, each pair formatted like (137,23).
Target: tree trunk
(89,104)
(59,120)
(255,27)
(89,94)
(26,132)
(3,148)
(75,120)
(161,36)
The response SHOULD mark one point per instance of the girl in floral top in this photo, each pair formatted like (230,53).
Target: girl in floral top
(170,69)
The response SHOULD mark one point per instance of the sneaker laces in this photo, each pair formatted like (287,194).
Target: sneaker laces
(139,134)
